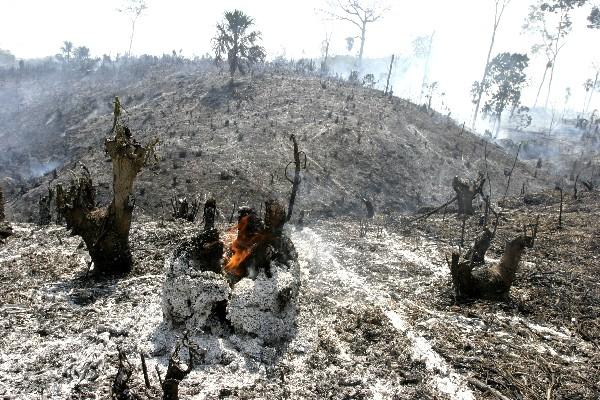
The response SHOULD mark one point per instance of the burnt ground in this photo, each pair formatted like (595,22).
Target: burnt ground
(377,316)
(233,141)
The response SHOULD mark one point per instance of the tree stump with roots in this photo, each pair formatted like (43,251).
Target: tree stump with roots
(105,230)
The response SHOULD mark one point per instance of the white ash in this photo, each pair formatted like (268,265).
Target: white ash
(266,306)
(190,296)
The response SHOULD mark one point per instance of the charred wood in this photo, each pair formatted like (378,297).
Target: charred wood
(105,230)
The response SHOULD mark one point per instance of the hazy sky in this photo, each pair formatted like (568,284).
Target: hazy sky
(35,28)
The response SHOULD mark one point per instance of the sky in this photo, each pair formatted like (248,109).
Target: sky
(37,28)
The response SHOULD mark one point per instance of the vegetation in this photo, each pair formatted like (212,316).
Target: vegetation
(237,43)
(360,14)
(503,86)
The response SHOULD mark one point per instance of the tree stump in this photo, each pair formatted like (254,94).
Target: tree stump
(465,193)
(105,230)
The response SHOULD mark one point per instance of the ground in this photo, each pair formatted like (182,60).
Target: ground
(377,316)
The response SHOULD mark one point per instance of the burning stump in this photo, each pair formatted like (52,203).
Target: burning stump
(253,289)
(195,291)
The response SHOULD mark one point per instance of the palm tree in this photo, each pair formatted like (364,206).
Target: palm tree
(234,40)
(67,49)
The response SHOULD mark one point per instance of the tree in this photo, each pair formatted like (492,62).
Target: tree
(67,50)
(422,49)
(503,86)
(594,18)
(325,51)
(590,86)
(551,20)
(236,41)
(6,58)
(105,230)
(360,13)
(81,54)
(500,6)
(134,9)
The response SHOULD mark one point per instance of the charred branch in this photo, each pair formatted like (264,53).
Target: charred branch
(298,166)
(184,209)
(120,386)
(176,372)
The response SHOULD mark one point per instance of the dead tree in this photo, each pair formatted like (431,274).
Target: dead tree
(45,216)
(2,215)
(560,211)
(509,175)
(370,208)
(105,230)
(492,282)
(183,209)
(298,166)
(387,83)
(466,192)
(209,214)
(5,228)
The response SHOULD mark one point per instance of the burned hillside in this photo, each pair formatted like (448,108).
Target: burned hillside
(232,141)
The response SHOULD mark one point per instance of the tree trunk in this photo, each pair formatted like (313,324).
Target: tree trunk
(363,32)
(131,38)
(426,69)
(486,70)
(465,193)
(105,230)
(537,97)
(387,83)
(296,181)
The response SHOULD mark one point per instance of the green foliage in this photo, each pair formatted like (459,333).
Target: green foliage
(594,18)
(504,83)
(67,50)
(235,41)
(6,58)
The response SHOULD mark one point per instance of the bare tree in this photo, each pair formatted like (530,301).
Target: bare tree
(500,6)
(134,9)
(551,20)
(360,13)
(422,46)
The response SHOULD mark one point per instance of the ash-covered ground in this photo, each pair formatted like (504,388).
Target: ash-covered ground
(377,318)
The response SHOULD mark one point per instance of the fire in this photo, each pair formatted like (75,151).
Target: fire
(243,246)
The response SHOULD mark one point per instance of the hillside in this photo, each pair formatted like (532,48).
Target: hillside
(233,141)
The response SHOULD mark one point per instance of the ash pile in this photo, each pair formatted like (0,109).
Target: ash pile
(247,288)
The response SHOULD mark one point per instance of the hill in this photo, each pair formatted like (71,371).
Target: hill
(233,140)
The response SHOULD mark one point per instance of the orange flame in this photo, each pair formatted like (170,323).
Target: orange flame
(242,247)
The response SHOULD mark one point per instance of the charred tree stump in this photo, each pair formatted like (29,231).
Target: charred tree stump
(5,228)
(45,215)
(482,243)
(492,282)
(183,209)
(297,179)
(209,214)
(466,192)
(175,372)
(2,215)
(370,208)
(105,230)
(120,386)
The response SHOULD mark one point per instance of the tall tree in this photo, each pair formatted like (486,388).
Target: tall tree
(359,13)
(500,6)
(551,20)
(67,50)
(422,46)
(134,9)
(503,86)
(236,41)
